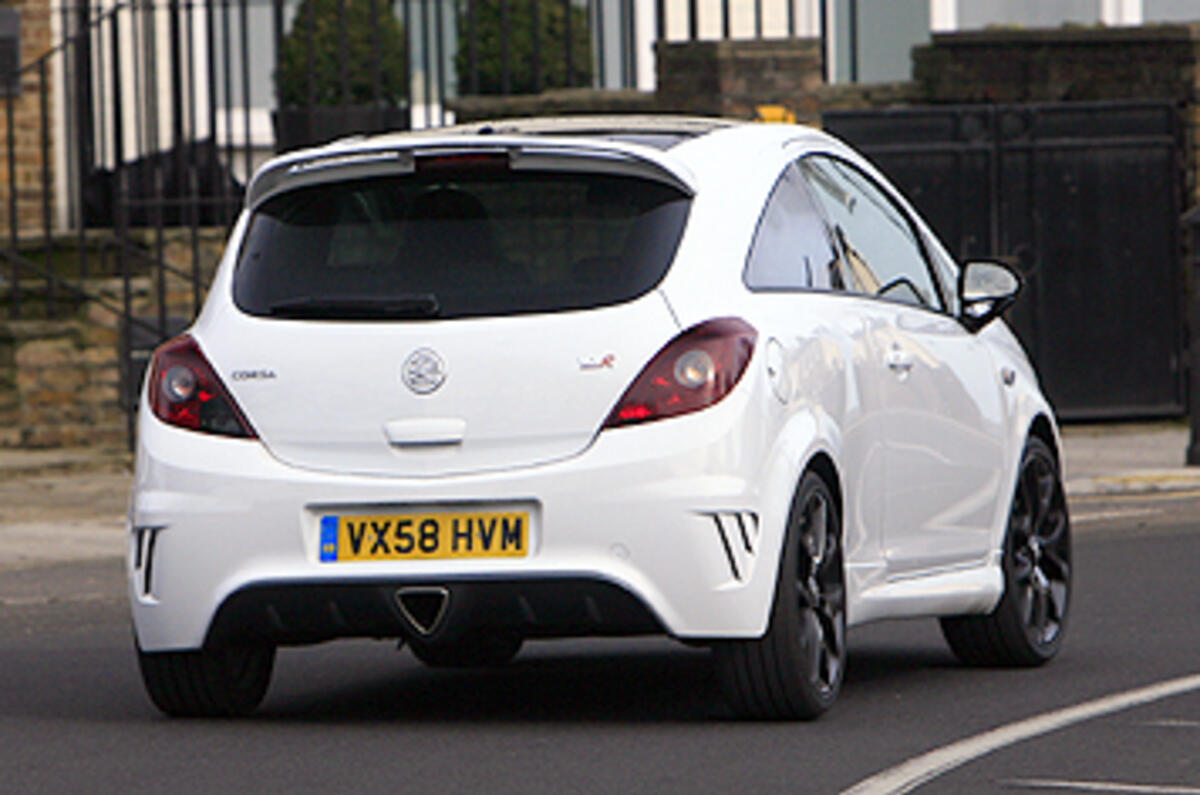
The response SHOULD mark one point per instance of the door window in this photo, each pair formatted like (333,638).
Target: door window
(883,254)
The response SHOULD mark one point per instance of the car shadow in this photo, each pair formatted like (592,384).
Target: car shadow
(655,683)
(572,681)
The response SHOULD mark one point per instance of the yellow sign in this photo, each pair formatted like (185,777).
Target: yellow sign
(775,114)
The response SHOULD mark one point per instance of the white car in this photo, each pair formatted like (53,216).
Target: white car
(591,376)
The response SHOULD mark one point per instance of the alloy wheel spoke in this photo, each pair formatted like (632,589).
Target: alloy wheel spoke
(1058,599)
(1054,527)
(1046,487)
(1029,499)
(1022,565)
(835,635)
(1020,521)
(806,597)
(812,645)
(1055,565)
(832,600)
(1025,602)
(816,531)
(1040,617)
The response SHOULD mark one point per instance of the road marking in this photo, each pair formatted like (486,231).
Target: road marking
(1173,723)
(1101,786)
(1099,516)
(911,774)
(1139,496)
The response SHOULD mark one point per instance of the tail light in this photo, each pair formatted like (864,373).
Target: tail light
(185,392)
(693,371)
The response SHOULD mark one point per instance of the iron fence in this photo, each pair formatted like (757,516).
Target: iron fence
(135,135)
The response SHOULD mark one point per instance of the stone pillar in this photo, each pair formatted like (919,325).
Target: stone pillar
(733,78)
(36,40)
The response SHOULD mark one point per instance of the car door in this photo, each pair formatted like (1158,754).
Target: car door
(942,414)
(816,345)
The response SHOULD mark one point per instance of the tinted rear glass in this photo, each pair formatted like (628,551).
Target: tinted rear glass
(464,243)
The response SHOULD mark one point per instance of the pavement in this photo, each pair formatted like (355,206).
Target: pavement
(69,504)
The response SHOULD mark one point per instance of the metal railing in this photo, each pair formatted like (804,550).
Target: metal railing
(134,136)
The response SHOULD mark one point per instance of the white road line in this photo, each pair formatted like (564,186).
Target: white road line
(1098,516)
(1101,786)
(909,775)
(1173,723)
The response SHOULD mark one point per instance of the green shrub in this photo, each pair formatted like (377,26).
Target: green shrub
(552,30)
(367,40)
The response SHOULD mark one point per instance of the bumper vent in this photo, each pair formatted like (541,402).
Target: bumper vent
(738,534)
(144,539)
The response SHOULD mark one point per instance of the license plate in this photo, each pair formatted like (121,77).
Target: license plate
(424,536)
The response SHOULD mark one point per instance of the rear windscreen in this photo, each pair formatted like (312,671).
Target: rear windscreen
(459,243)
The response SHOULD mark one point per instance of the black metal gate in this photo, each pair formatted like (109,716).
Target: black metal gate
(1084,199)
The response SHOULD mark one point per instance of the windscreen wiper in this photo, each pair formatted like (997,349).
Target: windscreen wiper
(392,307)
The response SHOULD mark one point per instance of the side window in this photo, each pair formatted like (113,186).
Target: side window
(791,248)
(882,250)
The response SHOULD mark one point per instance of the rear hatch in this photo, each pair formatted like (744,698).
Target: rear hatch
(458,316)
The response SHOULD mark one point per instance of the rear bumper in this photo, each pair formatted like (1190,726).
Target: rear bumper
(298,612)
(662,527)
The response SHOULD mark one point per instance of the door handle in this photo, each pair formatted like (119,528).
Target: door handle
(425,432)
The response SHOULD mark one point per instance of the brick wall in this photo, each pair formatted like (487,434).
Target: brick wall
(732,78)
(36,39)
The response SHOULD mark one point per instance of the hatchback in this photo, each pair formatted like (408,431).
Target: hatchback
(591,377)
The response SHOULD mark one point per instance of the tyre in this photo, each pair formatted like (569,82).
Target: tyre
(1027,626)
(795,670)
(475,650)
(213,682)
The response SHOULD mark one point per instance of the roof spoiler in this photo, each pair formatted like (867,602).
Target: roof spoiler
(337,163)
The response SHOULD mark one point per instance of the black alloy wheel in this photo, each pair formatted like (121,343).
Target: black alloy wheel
(795,670)
(1028,624)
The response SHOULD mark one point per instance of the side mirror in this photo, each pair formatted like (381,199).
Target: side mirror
(985,290)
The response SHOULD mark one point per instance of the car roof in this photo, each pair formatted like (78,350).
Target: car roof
(657,131)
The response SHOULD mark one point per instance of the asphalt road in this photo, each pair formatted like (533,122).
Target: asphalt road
(622,716)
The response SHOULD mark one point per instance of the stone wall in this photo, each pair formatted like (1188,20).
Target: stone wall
(36,39)
(65,381)
(60,379)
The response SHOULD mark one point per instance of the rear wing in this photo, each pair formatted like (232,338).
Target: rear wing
(339,162)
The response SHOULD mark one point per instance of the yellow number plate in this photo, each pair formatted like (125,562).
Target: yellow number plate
(424,536)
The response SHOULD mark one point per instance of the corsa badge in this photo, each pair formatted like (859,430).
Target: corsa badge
(423,371)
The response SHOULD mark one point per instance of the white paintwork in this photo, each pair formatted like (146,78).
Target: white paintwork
(926,462)
(515,383)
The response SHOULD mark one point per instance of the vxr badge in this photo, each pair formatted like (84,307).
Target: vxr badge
(423,371)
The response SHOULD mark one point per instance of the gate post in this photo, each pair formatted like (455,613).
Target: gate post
(1191,222)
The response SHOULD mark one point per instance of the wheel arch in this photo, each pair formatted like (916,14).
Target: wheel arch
(822,464)
(1043,429)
